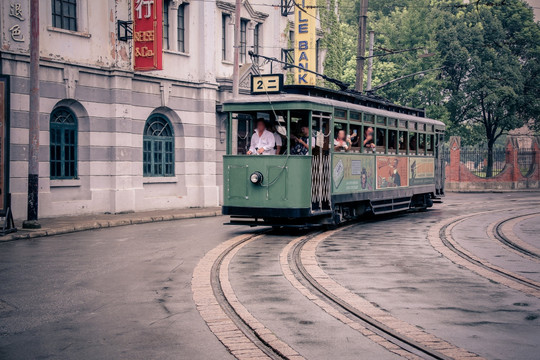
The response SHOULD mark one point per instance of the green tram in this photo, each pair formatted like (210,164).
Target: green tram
(400,170)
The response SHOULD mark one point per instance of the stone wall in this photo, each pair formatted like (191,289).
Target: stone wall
(460,178)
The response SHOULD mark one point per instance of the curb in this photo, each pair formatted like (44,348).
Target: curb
(102,224)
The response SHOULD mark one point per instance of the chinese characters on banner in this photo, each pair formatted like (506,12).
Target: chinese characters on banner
(305,41)
(148,34)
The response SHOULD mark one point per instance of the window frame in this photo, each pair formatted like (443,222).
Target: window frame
(166,25)
(256,38)
(225,20)
(59,15)
(243,40)
(63,127)
(181,28)
(167,147)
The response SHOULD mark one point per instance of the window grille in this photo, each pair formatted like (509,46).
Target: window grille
(158,147)
(63,144)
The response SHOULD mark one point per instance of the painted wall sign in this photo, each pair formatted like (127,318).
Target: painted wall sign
(392,171)
(422,171)
(353,173)
(148,34)
(305,55)
(4,144)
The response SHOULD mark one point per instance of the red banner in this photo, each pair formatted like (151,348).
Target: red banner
(148,34)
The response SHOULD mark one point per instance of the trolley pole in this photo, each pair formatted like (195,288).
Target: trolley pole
(236,56)
(370,59)
(33,129)
(361,49)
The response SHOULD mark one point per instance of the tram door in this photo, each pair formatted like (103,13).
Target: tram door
(440,174)
(320,164)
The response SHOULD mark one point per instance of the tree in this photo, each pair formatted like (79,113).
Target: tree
(489,62)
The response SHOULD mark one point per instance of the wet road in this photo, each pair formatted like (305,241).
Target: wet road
(108,294)
(126,292)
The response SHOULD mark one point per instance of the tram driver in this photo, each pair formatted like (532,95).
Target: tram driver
(263,141)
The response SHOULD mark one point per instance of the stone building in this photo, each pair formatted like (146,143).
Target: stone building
(113,139)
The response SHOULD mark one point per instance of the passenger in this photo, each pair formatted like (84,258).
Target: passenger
(278,139)
(262,141)
(354,138)
(301,146)
(368,138)
(341,143)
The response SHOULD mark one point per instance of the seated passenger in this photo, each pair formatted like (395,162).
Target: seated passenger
(262,141)
(368,138)
(301,146)
(341,143)
(277,137)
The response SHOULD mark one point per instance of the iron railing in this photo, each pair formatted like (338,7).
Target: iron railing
(526,159)
(475,158)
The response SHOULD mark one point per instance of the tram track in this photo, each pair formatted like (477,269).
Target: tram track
(243,335)
(440,237)
(500,231)
(301,268)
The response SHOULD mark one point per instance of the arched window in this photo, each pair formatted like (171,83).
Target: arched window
(158,147)
(63,144)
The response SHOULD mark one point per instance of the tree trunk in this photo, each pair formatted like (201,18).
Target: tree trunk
(489,167)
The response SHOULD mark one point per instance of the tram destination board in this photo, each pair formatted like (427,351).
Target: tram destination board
(266,84)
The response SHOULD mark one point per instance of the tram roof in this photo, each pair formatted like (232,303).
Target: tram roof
(282,98)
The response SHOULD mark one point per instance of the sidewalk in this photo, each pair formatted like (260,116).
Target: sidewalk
(68,224)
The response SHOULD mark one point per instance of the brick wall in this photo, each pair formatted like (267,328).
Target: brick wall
(459,177)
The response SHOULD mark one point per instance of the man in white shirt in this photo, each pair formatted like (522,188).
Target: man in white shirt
(262,141)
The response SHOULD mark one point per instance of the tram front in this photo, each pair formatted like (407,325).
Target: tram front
(285,183)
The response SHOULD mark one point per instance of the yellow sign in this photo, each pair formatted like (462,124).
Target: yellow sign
(266,83)
(305,55)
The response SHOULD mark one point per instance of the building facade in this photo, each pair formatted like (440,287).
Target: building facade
(116,140)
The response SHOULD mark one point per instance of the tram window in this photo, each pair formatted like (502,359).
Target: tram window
(354,132)
(402,124)
(403,142)
(355,116)
(421,143)
(429,144)
(368,139)
(241,129)
(320,123)
(381,120)
(341,140)
(368,118)
(392,141)
(300,131)
(341,114)
(412,142)
(412,125)
(380,140)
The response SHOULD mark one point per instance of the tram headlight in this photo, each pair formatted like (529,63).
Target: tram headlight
(256,178)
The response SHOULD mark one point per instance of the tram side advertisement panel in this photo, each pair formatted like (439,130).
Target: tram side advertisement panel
(353,173)
(392,172)
(422,171)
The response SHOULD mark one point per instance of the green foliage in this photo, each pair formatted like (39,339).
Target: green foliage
(489,52)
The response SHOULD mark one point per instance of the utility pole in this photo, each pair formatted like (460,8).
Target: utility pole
(236,57)
(33,128)
(361,50)
(370,60)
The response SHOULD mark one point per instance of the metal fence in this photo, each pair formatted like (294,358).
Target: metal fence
(475,158)
(526,158)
